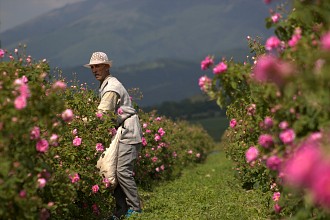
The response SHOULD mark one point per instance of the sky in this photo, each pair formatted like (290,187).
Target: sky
(16,12)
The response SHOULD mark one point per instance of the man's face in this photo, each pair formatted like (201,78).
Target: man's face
(100,71)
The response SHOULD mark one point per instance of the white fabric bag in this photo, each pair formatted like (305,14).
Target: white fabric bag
(107,163)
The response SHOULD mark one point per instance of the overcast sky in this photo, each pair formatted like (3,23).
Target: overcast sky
(15,12)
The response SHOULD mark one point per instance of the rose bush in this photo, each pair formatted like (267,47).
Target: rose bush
(279,111)
(51,138)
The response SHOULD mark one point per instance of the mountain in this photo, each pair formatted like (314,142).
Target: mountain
(136,31)
(155,45)
(158,81)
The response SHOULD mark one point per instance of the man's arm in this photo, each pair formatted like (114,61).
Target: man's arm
(109,102)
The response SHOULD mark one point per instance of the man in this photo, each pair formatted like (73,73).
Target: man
(115,98)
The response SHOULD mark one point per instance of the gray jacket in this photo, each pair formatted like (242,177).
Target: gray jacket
(131,132)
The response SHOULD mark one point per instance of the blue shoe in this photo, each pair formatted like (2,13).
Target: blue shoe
(131,212)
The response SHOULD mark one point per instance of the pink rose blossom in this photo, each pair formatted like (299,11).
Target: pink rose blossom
(74,178)
(148,131)
(320,184)
(204,83)
(266,140)
(276,196)
(99,115)
(95,188)
(20,102)
(59,85)
(42,182)
(273,162)
(161,132)
(35,133)
(277,208)
(283,125)
(74,132)
(276,17)
(272,69)
(272,43)
(295,38)
(22,194)
(298,169)
(24,90)
(325,41)
(157,137)
(106,182)
(95,209)
(268,122)
(207,62)
(233,123)
(113,131)
(158,119)
(251,109)
(53,140)
(67,115)
(42,145)
(220,68)
(154,159)
(2,53)
(174,154)
(99,147)
(76,141)
(287,136)
(198,155)
(120,111)
(157,169)
(145,125)
(251,154)
(144,141)
(190,151)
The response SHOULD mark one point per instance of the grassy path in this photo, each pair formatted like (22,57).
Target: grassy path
(207,191)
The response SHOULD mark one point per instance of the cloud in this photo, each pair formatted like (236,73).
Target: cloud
(54,3)
(16,12)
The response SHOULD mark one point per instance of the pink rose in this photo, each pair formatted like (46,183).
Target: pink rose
(67,115)
(204,83)
(251,154)
(95,188)
(2,53)
(220,68)
(287,136)
(266,140)
(42,182)
(74,178)
(20,102)
(232,123)
(206,63)
(325,41)
(59,85)
(35,133)
(42,145)
(99,147)
(272,43)
(76,141)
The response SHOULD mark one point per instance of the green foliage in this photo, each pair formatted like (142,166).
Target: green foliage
(301,100)
(163,156)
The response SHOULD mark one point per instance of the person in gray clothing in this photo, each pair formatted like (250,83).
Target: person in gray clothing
(115,98)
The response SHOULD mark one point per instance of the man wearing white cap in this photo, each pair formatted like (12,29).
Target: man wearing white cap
(115,98)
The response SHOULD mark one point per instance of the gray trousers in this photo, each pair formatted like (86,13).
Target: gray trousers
(126,193)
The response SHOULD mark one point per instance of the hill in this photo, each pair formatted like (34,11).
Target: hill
(137,31)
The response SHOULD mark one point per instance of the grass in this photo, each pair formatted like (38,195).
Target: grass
(206,191)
